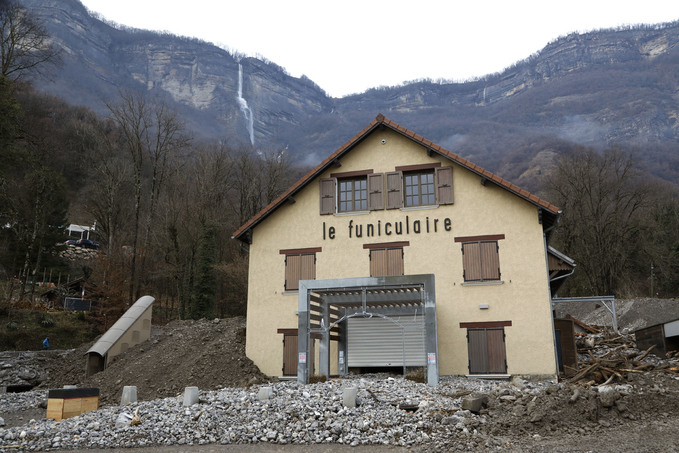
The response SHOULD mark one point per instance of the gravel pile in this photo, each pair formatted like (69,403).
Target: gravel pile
(294,414)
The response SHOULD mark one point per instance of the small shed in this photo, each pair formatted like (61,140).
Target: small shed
(133,328)
(664,336)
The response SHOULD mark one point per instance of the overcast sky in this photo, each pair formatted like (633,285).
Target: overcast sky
(351,45)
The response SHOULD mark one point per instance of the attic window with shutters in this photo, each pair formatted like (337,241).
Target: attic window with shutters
(300,264)
(481,258)
(355,191)
(419,185)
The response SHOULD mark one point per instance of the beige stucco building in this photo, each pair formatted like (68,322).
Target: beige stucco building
(395,252)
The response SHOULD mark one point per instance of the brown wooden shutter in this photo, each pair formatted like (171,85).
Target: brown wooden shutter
(375,191)
(497,356)
(490,260)
(444,185)
(386,262)
(471,261)
(290,355)
(378,263)
(328,191)
(292,272)
(394,190)
(307,269)
(477,350)
(395,261)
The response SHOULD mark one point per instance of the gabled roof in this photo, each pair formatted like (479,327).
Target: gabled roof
(550,213)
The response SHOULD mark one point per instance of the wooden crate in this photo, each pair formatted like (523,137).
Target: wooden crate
(65,403)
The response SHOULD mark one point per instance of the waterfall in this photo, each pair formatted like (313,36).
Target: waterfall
(249,120)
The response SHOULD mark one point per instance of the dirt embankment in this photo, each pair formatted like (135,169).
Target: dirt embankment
(206,354)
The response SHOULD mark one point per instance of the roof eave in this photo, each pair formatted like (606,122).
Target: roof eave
(240,234)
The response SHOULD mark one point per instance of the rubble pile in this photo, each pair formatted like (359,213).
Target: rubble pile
(606,358)
(616,397)
(390,411)
(26,368)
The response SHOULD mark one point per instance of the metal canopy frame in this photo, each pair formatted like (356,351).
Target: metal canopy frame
(324,305)
(605,300)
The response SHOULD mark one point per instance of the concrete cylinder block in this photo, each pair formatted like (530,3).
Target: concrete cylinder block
(190,396)
(129,395)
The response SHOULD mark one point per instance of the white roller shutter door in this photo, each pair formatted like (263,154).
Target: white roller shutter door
(379,342)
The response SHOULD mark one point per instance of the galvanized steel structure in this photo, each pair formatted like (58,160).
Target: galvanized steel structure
(325,306)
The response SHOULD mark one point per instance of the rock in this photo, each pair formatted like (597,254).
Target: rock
(474,403)
(608,395)
(123,420)
(452,420)
(518,382)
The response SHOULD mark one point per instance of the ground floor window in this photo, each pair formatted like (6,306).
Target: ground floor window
(486,347)
(290,352)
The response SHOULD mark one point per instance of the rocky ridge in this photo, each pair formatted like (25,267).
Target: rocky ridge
(597,89)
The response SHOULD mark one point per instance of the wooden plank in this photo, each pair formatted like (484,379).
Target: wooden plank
(72,407)
(55,408)
(89,404)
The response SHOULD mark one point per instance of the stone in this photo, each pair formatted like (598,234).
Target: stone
(474,403)
(123,420)
(518,382)
(452,420)
(608,395)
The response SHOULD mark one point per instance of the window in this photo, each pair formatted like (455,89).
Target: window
(480,258)
(409,186)
(352,191)
(419,185)
(353,194)
(419,188)
(486,350)
(386,259)
(300,264)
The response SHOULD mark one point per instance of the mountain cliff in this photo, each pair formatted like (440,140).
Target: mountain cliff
(599,89)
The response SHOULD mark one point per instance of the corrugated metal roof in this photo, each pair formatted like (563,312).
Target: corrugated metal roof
(121,326)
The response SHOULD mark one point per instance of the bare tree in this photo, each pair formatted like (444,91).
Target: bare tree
(603,197)
(151,134)
(24,42)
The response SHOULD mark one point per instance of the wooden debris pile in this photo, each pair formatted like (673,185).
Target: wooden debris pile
(605,358)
